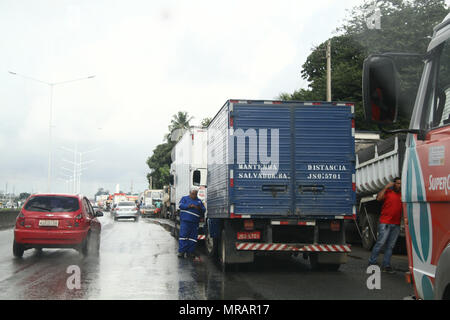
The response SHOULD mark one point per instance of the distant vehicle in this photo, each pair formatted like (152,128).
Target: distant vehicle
(97,208)
(187,170)
(151,197)
(57,221)
(126,209)
(148,210)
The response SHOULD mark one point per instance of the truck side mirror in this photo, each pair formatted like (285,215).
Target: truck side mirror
(196,178)
(380,89)
(171,180)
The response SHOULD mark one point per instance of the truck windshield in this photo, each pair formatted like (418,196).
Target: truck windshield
(438,92)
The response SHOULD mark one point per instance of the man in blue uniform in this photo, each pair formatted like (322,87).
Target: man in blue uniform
(191,211)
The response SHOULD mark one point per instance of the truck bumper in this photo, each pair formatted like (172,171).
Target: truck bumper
(258,246)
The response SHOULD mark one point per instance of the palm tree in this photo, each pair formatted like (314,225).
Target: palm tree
(178,124)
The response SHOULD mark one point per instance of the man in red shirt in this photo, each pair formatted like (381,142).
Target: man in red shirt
(389,226)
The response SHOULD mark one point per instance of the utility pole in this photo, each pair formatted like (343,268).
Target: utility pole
(329,71)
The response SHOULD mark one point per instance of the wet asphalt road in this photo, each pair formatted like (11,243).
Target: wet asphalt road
(138,261)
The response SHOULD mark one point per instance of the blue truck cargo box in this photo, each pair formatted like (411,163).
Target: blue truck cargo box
(270,159)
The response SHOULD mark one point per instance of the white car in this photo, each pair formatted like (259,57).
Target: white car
(125,210)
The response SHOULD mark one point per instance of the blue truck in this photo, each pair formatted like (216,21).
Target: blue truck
(281,179)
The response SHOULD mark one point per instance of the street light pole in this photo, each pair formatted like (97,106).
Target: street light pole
(49,174)
(51,85)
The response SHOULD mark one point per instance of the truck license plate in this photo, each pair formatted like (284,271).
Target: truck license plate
(254,235)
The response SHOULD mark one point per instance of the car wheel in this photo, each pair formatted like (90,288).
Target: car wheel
(18,249)
(96,245)
(85,245)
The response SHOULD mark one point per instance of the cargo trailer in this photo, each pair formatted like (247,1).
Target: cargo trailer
(281,179)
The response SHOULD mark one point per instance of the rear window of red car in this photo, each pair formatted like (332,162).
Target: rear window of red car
(52,204)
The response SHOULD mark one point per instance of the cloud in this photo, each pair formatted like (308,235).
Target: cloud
(151,59)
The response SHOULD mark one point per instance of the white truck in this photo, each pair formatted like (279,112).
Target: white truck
(188,169)
(378,162)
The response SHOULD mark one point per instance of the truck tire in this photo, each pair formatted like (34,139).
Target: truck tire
(316,266)
(368,231)
(223,249)
(211,245)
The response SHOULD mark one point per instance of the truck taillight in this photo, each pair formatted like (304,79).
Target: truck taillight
(249,225)
(335,226)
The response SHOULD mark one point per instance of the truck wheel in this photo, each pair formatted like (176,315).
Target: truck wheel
(368,230)
(211,245)
(18,249)
(316,266)
(223,252)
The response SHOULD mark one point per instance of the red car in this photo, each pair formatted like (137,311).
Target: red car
(57,221)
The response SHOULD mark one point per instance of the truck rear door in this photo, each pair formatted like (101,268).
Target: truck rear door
(262,187)
(324,160)
(311,153)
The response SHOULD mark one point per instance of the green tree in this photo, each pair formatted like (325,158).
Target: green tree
(405,27)
(101,192)
(159,162)
(180,122)
(205,122)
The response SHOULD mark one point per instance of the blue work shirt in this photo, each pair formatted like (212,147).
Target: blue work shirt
(191,214)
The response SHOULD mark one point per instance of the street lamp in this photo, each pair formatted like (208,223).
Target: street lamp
(77,165)
(51,85)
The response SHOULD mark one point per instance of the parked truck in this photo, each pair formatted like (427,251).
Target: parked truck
(188,170)
(377,164)
(426,167)
(151,202)
(281,179)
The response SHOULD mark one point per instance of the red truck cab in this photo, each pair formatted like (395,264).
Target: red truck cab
(426,168)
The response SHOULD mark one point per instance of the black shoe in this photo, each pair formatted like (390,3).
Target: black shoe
(388,270)
(191,255)
(181,255)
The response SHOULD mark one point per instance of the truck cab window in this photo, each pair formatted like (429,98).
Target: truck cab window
(438,95)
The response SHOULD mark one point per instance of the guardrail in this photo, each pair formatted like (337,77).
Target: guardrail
(8,218)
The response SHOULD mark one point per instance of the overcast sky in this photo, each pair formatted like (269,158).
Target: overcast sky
(150,59)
